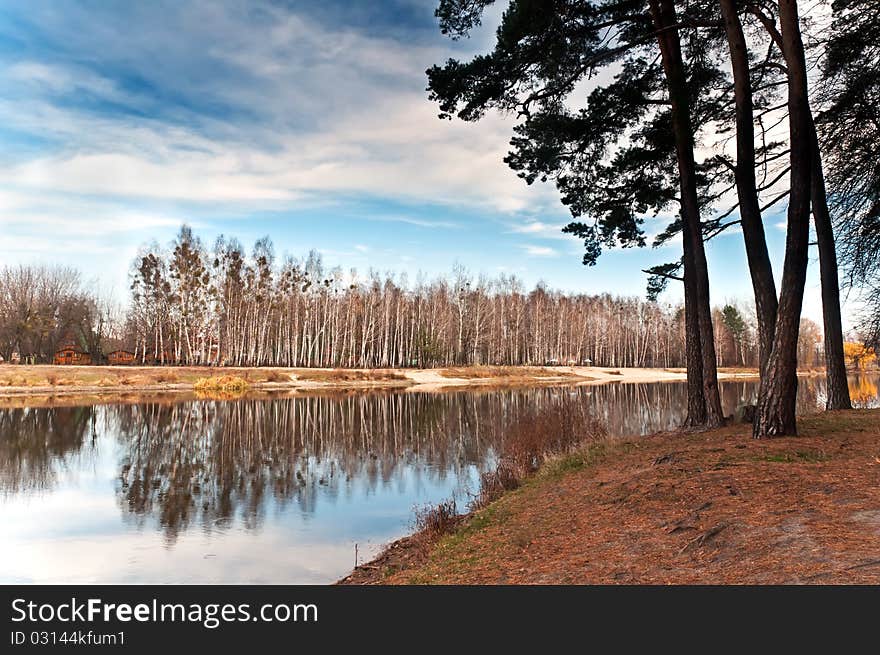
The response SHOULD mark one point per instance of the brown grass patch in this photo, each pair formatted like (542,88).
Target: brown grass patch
(222,383)
(277,376)
(484,372)
(349,375)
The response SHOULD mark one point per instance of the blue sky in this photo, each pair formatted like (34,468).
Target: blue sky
(305,121)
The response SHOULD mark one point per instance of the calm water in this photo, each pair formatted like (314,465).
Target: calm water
(269,491)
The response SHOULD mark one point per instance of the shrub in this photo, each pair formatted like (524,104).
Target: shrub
(494,483)
(558,432)
(531,438)
(227,383)
(431,523)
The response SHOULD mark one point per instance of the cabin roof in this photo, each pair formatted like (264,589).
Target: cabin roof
(71,346)
(110,345)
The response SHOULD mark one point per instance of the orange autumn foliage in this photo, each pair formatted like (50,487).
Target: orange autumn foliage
(858,355)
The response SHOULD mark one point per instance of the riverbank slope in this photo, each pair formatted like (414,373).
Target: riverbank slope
(713,507)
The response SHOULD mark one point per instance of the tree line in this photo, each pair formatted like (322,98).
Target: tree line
(191,305)
(683,78)
(195,305)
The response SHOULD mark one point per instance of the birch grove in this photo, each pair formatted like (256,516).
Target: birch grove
(220,306)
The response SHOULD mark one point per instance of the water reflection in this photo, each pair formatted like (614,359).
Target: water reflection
(207,462)
(863,391)
(36,443)
(271,490)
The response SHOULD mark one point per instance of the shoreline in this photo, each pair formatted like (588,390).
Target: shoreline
(712,507)
(22,381)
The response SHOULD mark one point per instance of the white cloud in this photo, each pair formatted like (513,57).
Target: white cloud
(541,229)
(410,220)
(540,251)
(312,112)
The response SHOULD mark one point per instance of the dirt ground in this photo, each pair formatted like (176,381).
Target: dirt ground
(702,508)
(44,380)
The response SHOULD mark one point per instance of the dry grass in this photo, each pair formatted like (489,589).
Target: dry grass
(348,375)
(717,507)
(485,372)
(277,376)
(431,523)
(222,383)
(104,376)
(26,376)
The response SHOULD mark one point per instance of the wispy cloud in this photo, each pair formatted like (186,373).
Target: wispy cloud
(540,251)
(286,108)
(541,229)
(411,220)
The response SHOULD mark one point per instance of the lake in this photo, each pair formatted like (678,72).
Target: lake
(272,490)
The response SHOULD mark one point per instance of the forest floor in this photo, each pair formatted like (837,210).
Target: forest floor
(713,507)
(50,380)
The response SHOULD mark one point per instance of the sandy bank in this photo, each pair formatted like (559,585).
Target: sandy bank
(46,380)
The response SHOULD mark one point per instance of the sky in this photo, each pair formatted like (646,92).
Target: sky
(305,121)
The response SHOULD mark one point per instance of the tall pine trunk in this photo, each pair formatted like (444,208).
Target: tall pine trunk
(835,364)
(696,399)
(760,268)
(663,14)
(775,415)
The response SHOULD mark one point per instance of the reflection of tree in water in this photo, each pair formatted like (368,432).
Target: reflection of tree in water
(633,409)
(212,463)
(863,391)
(35,443)
(208,462)
(736,393)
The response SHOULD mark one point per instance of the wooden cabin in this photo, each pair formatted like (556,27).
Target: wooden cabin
(71,355)
(120,357)
(117,352)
